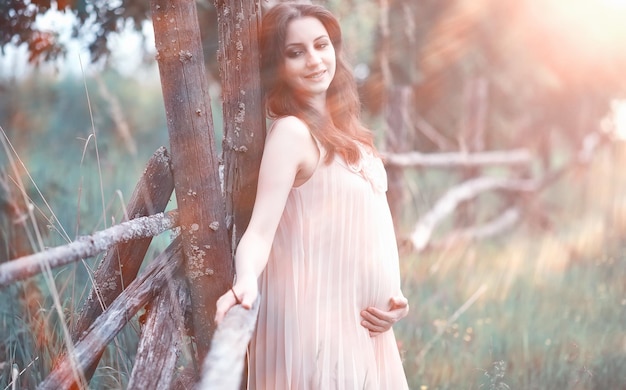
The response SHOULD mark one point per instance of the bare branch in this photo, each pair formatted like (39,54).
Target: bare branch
(461,193)
(223,365)
(417,159)
(87,246)
(445,206)
(494,227)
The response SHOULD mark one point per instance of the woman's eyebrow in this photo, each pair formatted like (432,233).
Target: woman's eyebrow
(301,44)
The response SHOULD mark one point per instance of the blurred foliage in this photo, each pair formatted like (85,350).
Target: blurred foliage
(95,21)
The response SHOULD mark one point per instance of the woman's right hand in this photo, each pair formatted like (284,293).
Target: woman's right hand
(243,293)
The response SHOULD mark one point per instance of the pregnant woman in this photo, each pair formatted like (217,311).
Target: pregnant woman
(320,249)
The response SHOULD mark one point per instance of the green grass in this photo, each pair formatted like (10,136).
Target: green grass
(552,332)
(553,315)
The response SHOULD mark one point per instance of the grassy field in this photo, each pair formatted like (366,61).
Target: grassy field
(534,309)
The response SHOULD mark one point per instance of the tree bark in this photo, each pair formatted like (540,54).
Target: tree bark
(244,124)
(206,246)
(244,114)
(161,339)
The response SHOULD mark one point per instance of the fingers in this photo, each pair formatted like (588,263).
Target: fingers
(376,321)
(232,298)
(399,306)
(224,303)
(398,302)
(247,300)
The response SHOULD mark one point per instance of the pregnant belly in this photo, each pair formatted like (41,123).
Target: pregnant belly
(380,281)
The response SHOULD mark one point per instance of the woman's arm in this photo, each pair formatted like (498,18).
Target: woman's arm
(290,156)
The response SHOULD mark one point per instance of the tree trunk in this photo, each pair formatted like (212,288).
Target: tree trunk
(244,124)
(206,246)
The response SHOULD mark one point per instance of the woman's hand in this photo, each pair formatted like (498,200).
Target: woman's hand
(243,293)
(378,321)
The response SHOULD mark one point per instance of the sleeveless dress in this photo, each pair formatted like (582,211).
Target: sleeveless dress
(334,254)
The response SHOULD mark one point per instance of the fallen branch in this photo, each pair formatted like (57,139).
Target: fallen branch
(87,246)
(446,205)
(492,228)
(417,159)
(453,197)
(223,365)
(113,319)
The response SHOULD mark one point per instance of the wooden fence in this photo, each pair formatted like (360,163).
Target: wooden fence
(119,292)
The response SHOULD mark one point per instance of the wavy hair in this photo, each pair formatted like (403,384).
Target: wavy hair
(343,133)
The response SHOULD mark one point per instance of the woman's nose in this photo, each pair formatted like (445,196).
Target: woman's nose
(313,59)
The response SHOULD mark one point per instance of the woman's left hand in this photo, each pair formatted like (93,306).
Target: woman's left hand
(378,321)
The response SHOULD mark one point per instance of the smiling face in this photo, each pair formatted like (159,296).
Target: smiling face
(309,58)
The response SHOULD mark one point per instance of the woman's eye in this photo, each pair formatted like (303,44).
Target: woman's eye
(323,45)
(294,53)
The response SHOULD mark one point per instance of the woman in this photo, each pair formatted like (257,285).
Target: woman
(320,247)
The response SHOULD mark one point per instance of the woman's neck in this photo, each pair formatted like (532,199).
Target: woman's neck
(319,104)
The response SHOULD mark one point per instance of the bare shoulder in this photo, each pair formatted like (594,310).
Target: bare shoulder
(290,126)
(292,132)
(290,140)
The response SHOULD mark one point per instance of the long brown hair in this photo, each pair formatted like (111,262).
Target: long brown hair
(343,135)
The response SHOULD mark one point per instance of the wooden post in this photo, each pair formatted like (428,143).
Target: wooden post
(121,264)
(161,339)
(244,123)
(88,350)
(206,246)
(243,111)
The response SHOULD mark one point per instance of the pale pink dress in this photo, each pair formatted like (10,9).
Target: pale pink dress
(334,255)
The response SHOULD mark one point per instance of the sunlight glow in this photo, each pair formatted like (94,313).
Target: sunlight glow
(618,108)
(593,24)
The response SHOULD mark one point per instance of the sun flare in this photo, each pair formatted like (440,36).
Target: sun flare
(618,118)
